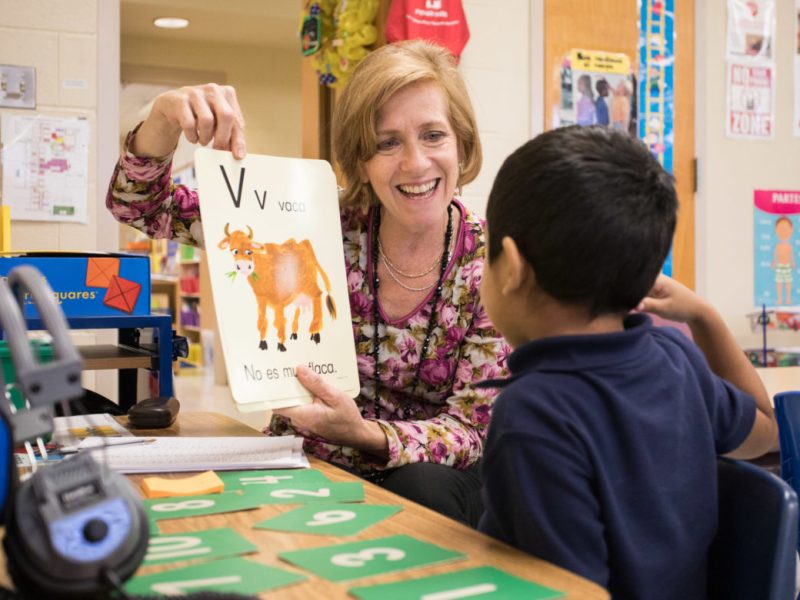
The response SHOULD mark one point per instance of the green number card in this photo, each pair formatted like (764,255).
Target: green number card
(210,543)
(154,530)
(483,582)
(350,491)
(330,518)
(342,562)
(244,480)
(194,506)
(227,575)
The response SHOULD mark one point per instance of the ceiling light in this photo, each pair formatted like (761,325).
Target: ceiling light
(171,22)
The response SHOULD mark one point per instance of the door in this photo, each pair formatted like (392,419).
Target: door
(611,26)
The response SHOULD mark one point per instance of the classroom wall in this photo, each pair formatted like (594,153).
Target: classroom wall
(267,83)
(62,39)
(74,40)
(497,66)
(729,170)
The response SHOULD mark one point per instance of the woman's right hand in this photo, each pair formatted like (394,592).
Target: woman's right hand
(203,113)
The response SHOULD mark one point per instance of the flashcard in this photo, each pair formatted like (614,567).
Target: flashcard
(195,506)
(274,250)
(228,575)
(349,491)
(483,582)
(272,479)
(210,543)
(330,518)
(343,562)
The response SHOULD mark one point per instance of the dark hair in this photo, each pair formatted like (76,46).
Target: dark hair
(601,86)
(591,210)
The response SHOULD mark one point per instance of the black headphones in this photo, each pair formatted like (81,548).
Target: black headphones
(75,529)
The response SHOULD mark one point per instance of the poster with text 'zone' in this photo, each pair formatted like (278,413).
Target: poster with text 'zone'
(276,262)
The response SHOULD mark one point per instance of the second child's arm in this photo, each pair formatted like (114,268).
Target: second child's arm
(672,300)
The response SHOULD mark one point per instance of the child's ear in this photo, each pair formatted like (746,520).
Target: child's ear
(517,272)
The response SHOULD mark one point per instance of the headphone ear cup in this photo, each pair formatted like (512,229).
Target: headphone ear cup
(39,571)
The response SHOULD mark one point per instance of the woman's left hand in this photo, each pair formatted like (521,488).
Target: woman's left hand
(334,416)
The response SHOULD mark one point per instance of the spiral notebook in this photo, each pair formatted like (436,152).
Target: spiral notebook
(176,454)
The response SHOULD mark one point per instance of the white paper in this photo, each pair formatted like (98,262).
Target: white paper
(274,246)
(179,454)
(750,110)
(45,167)
(69,431)
(751,29)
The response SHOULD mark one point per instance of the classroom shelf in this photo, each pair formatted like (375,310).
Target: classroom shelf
(129,354)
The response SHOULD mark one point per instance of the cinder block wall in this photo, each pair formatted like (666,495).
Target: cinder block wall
(77,42)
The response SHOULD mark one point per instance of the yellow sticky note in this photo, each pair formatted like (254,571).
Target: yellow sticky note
(204,483)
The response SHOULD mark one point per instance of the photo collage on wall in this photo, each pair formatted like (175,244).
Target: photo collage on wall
(597,88)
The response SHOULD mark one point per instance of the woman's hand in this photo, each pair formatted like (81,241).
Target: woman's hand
(672,300)
(202,113)
(334,416)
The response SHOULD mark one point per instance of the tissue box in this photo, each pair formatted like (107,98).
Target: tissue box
(89,285)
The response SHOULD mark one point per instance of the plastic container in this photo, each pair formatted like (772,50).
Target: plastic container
(43,351)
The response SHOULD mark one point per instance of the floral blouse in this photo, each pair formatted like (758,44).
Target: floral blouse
(446,416)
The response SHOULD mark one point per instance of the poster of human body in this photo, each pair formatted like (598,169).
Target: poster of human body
(776,238)
(276,262)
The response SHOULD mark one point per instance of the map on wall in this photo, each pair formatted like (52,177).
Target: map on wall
(45,167)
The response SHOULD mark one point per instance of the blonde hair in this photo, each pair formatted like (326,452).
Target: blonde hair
(376,79)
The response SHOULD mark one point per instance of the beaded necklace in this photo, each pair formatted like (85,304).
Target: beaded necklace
(376,313)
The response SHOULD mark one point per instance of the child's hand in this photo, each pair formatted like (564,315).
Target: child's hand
(672,300)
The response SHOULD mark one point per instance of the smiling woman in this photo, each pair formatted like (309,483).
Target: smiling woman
(406,140)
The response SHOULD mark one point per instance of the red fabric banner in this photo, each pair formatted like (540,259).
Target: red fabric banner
(439,21)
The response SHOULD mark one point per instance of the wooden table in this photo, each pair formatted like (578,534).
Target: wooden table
(414,520)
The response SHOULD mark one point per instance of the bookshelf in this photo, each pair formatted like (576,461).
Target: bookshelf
(190,301)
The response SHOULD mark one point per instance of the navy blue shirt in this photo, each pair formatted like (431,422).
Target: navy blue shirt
(601,110)
(601,457)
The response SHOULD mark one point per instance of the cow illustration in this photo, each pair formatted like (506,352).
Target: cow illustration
(280,275)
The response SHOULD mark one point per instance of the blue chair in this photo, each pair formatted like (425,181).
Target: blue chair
(787,412)
(753,554)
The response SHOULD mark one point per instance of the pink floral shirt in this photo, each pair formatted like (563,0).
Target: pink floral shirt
(448,415)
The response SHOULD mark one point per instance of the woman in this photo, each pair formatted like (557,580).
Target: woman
(406,140)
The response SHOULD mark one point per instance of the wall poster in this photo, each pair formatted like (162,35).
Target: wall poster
(597,88)
(656,83)
(776,236)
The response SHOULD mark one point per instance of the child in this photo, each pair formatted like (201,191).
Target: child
(585,107)
(601,453)
(600,106)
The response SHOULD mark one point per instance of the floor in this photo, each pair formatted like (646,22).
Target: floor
(198,393)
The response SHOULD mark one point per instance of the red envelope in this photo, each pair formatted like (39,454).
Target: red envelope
(122,294)
(99,271)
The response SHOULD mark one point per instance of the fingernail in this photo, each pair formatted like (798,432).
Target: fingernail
(240,151)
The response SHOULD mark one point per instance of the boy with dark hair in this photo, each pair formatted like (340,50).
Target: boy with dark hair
(601,453)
